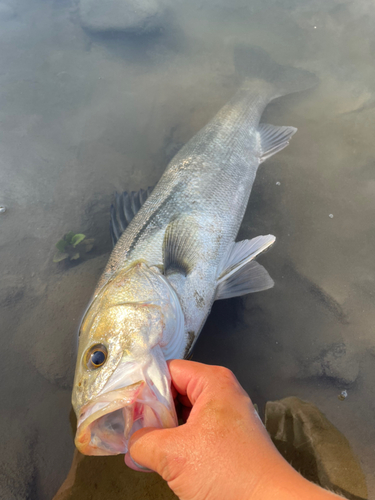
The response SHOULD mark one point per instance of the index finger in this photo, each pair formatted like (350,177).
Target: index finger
(192,379)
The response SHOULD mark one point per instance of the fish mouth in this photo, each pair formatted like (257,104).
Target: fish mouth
(106,424)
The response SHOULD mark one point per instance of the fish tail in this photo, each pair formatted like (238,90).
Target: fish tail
(253,63)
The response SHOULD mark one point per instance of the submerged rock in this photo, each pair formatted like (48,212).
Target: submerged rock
(314,447)
(337,363)
(128,16)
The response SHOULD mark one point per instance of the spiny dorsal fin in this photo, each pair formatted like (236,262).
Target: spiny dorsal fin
(181,246)
(273,139)
(242,274)
(123,210)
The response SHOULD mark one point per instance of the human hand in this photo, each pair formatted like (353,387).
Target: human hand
(223,450)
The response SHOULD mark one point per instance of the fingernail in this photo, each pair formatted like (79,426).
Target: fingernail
(145,469)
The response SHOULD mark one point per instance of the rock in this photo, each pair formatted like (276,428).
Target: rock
(337,362)
(128,16)
(95,478)
(308,440)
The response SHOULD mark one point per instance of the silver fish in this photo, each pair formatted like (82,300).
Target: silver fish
(175,254)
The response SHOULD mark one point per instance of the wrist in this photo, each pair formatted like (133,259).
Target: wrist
(285,483)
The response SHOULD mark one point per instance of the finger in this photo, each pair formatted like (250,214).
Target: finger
(182,371)
(132,465)
(188,375)
(184,400)
(195,380)
(153,449)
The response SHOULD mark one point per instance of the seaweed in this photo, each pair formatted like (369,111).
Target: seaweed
(72,246)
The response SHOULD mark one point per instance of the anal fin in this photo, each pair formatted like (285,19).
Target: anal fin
(273,139)
(242,273)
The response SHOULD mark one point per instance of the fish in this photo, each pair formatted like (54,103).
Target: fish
(175,253)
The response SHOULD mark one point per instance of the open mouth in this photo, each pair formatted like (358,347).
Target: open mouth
(106,424)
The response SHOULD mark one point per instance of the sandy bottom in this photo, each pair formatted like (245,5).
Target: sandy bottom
(106,477)
(83,115)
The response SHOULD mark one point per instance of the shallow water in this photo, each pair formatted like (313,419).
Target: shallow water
(83,114)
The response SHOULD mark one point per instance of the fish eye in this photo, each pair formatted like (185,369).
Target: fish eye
(96,356)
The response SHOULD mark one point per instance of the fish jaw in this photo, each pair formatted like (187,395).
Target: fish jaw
(106,425)
(137,395)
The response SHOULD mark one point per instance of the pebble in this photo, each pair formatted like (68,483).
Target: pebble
(3,209)
(330,216)
(343,395)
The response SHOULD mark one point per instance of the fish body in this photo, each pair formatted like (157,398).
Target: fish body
(175,257)
(204,191)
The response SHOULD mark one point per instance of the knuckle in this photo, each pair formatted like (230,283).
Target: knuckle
(225,374)
(225,377)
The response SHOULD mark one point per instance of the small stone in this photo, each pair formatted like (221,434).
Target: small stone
(330,216)
(343,395)
(278,183)
(3,209)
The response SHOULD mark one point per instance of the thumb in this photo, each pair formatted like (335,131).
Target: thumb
(153,449)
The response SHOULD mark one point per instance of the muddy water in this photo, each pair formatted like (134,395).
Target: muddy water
(85,112)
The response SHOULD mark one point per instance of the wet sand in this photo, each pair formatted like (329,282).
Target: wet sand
(83,115)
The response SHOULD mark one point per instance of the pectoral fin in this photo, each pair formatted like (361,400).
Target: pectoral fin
(181,246)
(242,274)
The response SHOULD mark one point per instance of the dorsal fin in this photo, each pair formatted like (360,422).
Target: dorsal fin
(124,208)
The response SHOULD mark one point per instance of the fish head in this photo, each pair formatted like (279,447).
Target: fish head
(122,382)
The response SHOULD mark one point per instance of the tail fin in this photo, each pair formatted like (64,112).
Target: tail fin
(255,63)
